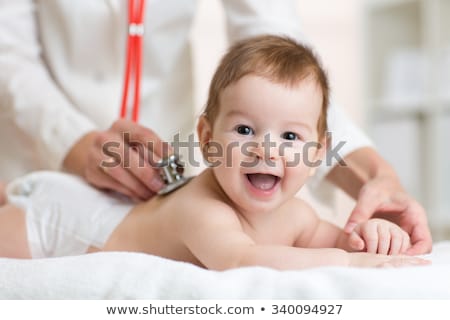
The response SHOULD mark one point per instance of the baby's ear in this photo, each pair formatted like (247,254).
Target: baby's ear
(204,130)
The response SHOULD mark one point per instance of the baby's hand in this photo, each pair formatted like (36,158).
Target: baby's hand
(379,236)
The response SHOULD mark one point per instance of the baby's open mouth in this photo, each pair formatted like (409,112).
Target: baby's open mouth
(263,181)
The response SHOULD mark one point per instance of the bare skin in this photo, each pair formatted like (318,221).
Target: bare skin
(136,181)
(165,228)
(233,215)
(373,183)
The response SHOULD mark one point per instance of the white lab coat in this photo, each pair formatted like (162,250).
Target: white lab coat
(62,65)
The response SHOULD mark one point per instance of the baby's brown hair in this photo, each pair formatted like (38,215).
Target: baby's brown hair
(279,59)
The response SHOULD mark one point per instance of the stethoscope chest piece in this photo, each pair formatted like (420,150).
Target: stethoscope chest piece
(171,171)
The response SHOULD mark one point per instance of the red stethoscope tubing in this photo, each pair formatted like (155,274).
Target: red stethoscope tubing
(133,64)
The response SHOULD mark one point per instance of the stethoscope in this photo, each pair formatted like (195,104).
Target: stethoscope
(171,169)
(133,62)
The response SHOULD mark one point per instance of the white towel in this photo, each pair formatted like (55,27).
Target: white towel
(121,275)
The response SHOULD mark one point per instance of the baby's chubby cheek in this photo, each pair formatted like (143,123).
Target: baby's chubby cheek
(293,157)
(303,159)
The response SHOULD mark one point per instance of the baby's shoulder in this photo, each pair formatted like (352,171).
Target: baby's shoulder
(297,206)
(194,202)
(299,210)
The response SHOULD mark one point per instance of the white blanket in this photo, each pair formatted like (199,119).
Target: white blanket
(121,275)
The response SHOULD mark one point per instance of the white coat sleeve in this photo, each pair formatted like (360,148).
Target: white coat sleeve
(246,18)
(28,95)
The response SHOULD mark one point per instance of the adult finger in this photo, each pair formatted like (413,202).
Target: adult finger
(421,241)
(418,230)
(142,150)
(104,181)
(137,164)
(125,165)
(105,168)
(368,202)
(128,180)
(135,134)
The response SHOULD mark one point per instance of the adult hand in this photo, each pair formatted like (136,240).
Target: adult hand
(383,197)
(119,159)
(373,183)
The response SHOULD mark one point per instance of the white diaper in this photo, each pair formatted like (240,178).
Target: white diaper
(64,214)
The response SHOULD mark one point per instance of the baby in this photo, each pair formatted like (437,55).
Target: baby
(262,133)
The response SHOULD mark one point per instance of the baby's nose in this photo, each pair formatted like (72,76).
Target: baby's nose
(267,148)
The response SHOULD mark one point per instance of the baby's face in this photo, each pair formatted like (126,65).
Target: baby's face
(268,133)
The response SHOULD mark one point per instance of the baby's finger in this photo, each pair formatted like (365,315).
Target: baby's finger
(396,241)
(406,242)
(384,239)
(370,235)
(356,242)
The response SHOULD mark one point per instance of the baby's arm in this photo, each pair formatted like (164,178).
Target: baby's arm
(214,235)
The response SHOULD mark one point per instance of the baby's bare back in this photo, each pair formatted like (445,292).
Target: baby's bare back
(161,225)
(153,227)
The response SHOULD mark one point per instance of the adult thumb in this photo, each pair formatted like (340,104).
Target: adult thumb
(364,209)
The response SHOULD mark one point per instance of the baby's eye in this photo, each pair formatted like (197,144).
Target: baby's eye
(290,136)
(244,130)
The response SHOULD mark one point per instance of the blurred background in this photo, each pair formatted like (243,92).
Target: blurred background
(389,68)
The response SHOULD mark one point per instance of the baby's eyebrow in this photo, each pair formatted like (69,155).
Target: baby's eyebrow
(300,124)
(232,113)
